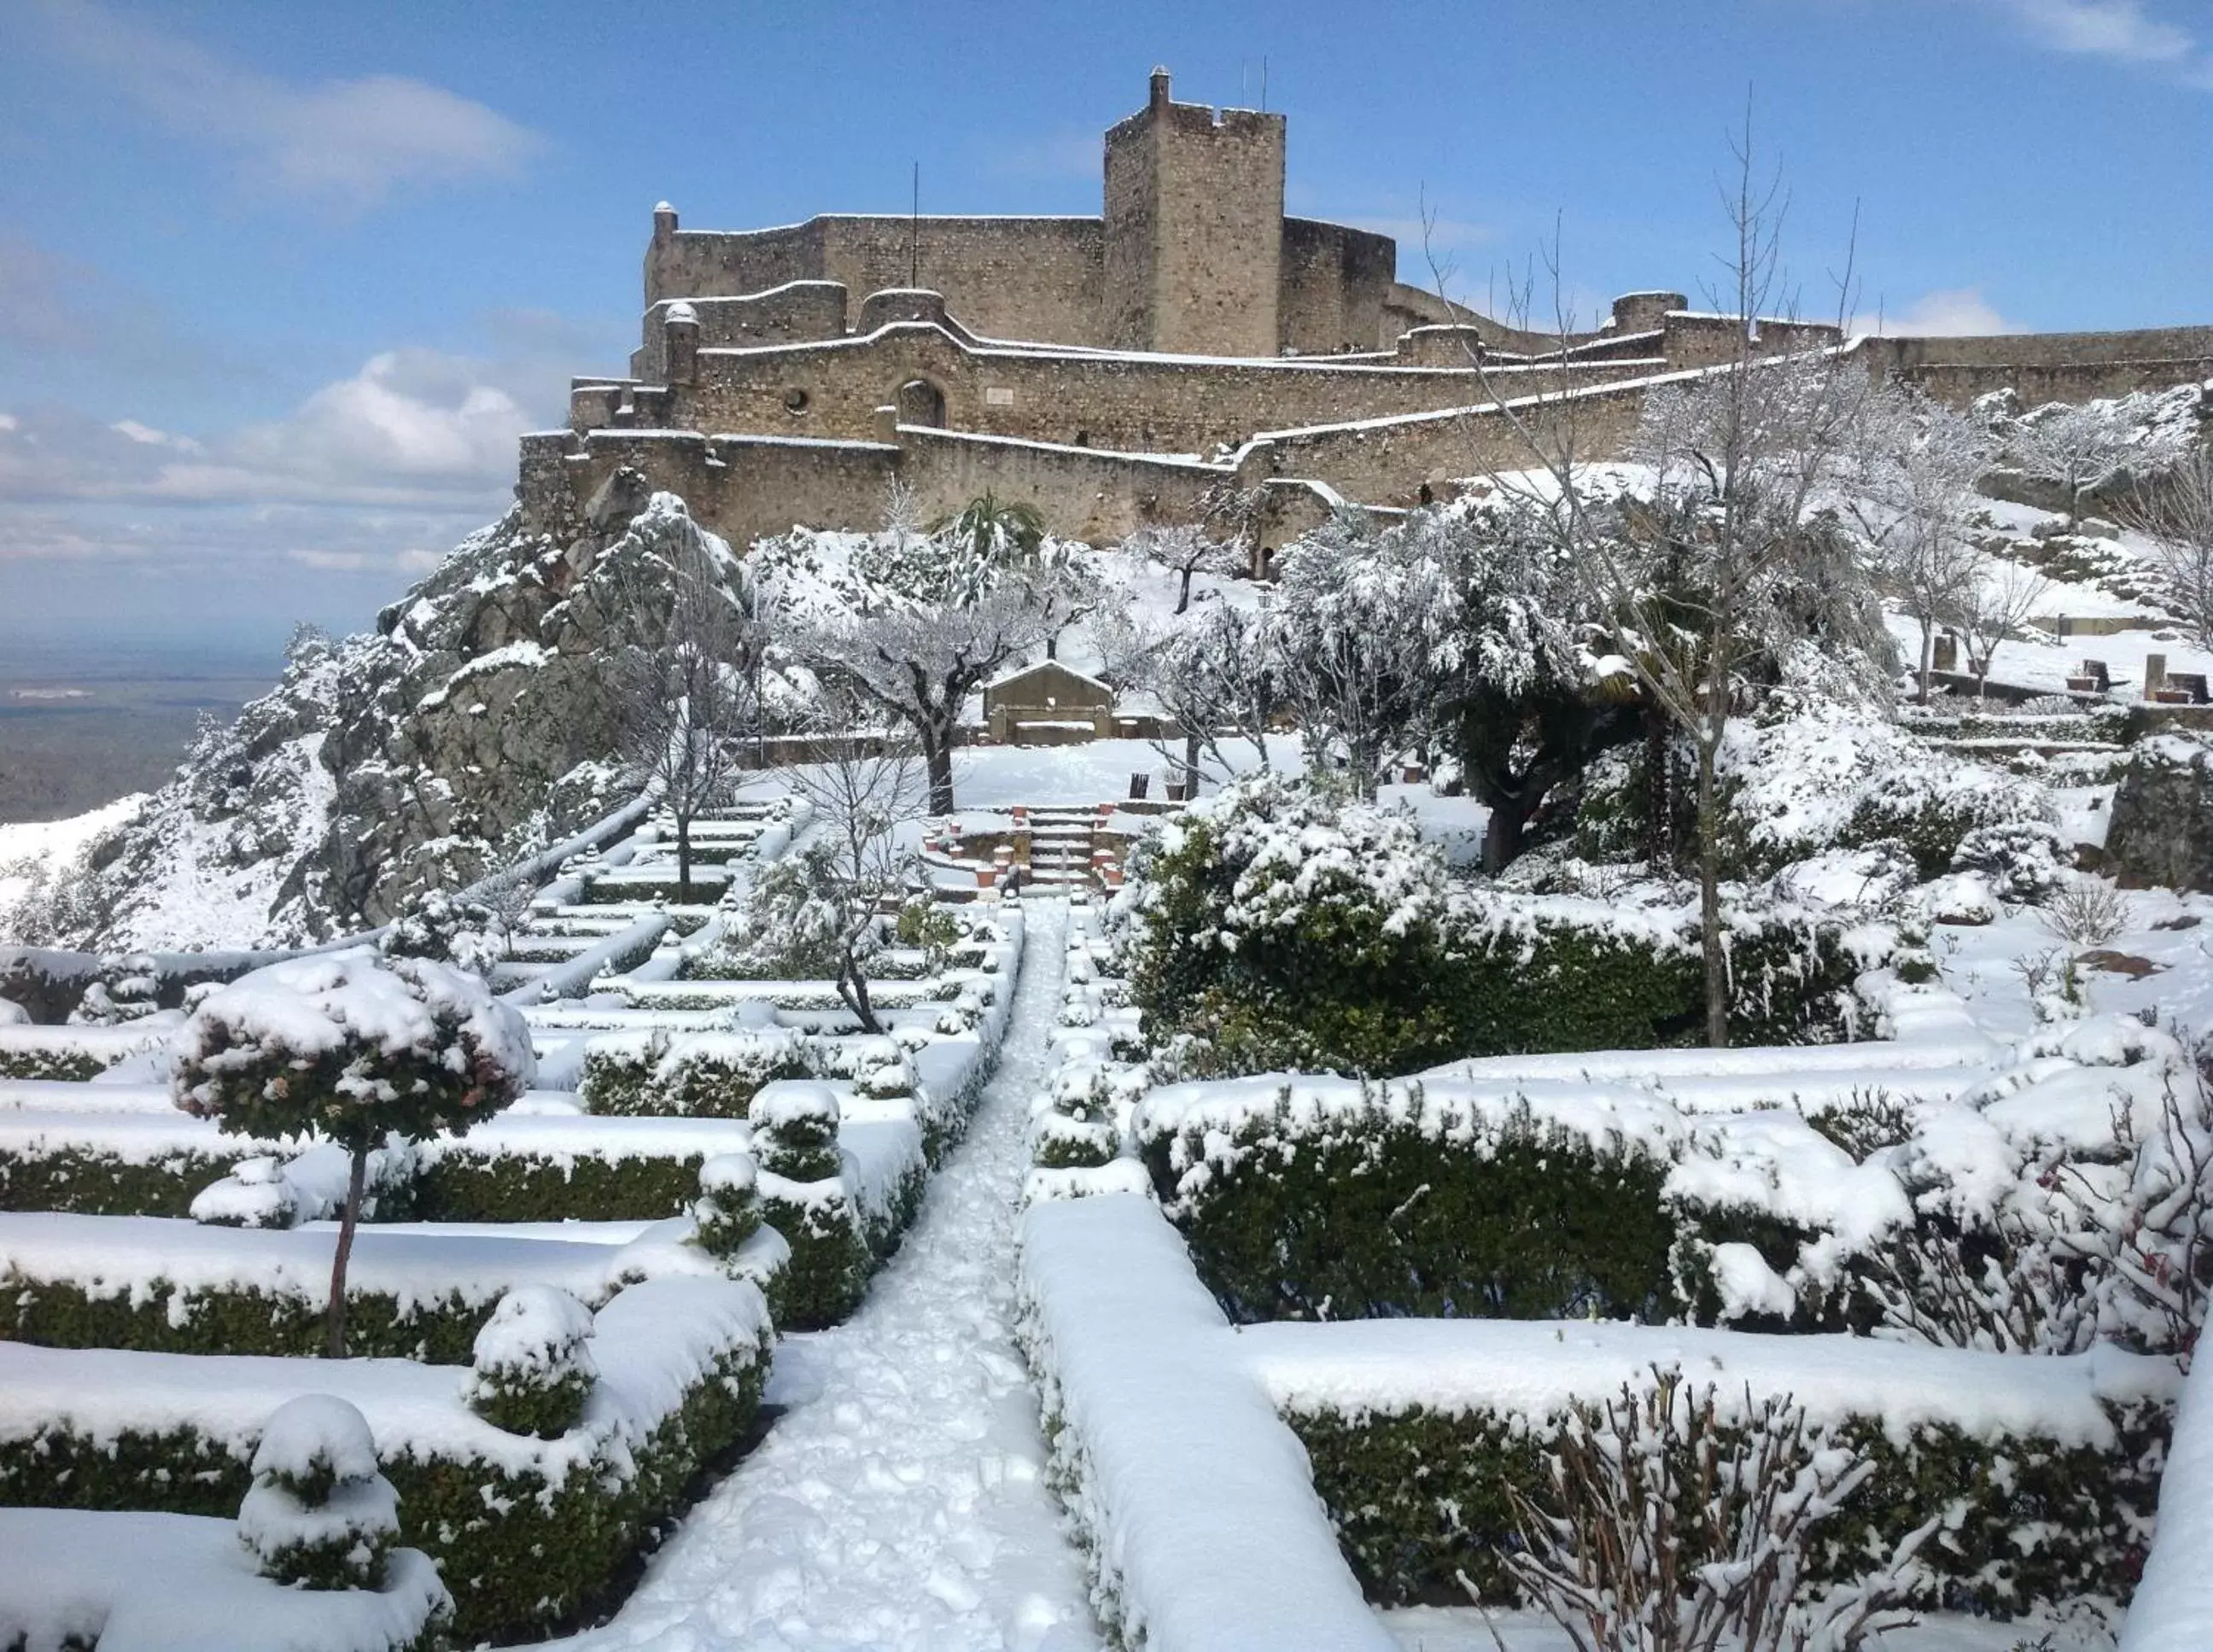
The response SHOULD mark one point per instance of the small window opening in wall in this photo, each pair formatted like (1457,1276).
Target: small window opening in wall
(1083,438)
(794,401)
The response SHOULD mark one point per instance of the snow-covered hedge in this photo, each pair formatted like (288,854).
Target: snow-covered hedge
(527,1533)
(1421,1432)
(189,1583)
(710,1074)
(1280,930)
(548,1167)
(175,1287)
(123,1163)
(2057,1200)
(76,1053)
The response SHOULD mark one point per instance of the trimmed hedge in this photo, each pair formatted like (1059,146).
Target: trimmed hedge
(708,1075)
(523,1557)
(242,1319)
(1421,1497)
(458,1185)
(1377,1215)
(86,1182)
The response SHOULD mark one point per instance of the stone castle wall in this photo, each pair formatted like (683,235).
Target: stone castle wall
(1131,402)
(1110,369)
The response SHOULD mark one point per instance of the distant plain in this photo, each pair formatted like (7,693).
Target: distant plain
(81,725)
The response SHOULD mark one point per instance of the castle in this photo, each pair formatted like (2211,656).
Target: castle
(1128,368)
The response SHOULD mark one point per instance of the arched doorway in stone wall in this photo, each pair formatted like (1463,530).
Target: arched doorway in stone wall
(921,402)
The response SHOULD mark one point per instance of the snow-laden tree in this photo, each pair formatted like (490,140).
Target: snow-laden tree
(2176,514)
(920,626)
(863,792)
(685,674)
(352,1047)
(1528,706)
(2081,446)
(1910,490)
(1186,550)
(1999,602)
(1365,632)
(1219,680)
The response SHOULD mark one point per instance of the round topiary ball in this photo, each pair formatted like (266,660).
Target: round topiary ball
(533,1362)
(318,1515)
(728,1209)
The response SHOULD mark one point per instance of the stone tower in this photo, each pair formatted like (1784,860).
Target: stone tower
(1194,228)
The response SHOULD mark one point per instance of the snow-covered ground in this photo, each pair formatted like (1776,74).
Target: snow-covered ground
(28,846)
(898,1500)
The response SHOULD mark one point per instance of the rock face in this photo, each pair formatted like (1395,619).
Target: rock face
(473,725)
(2162,827)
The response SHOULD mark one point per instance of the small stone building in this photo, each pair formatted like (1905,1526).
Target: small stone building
(1047,705)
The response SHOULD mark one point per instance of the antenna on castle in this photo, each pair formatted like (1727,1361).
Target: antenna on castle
(1264,84)
(914,232)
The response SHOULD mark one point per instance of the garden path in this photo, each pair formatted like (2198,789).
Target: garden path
(899,1501)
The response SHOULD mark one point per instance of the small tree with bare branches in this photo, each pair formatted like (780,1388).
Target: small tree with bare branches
(2176,514)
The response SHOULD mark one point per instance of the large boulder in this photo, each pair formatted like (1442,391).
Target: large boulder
(2162,827)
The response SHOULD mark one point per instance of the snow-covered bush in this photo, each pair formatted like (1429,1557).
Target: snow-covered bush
(1277,930)
(1664,1524)
(125,990)
(2024,860)
(728,1209)
(255,1195)
(1934,807)
(533,1366)
(13,1013)
(795,1131)
(320,1516)
(784,925)
(437,923)
(805,1196)
(351,1047)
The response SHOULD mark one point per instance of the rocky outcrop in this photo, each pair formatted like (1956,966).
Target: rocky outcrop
(2162,827)
(472,727)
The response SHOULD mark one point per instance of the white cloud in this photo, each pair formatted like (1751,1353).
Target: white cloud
(147,435)
(1948,311)
(2125,32)
(9,421)
(418,560)
(349,143)
(339,561)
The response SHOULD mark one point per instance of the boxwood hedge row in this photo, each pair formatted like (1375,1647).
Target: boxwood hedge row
(523,1555)
(1421,1498)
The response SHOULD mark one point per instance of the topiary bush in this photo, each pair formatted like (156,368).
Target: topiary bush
(729,1212)
(354,1047)
(320,1516)
(804,1197)
(533,1362)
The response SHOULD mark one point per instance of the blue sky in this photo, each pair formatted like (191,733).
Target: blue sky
(279,285)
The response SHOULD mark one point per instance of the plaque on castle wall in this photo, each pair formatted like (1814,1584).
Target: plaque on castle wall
(998,396)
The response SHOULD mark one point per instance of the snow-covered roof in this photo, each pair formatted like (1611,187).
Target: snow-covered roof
(1042,668)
